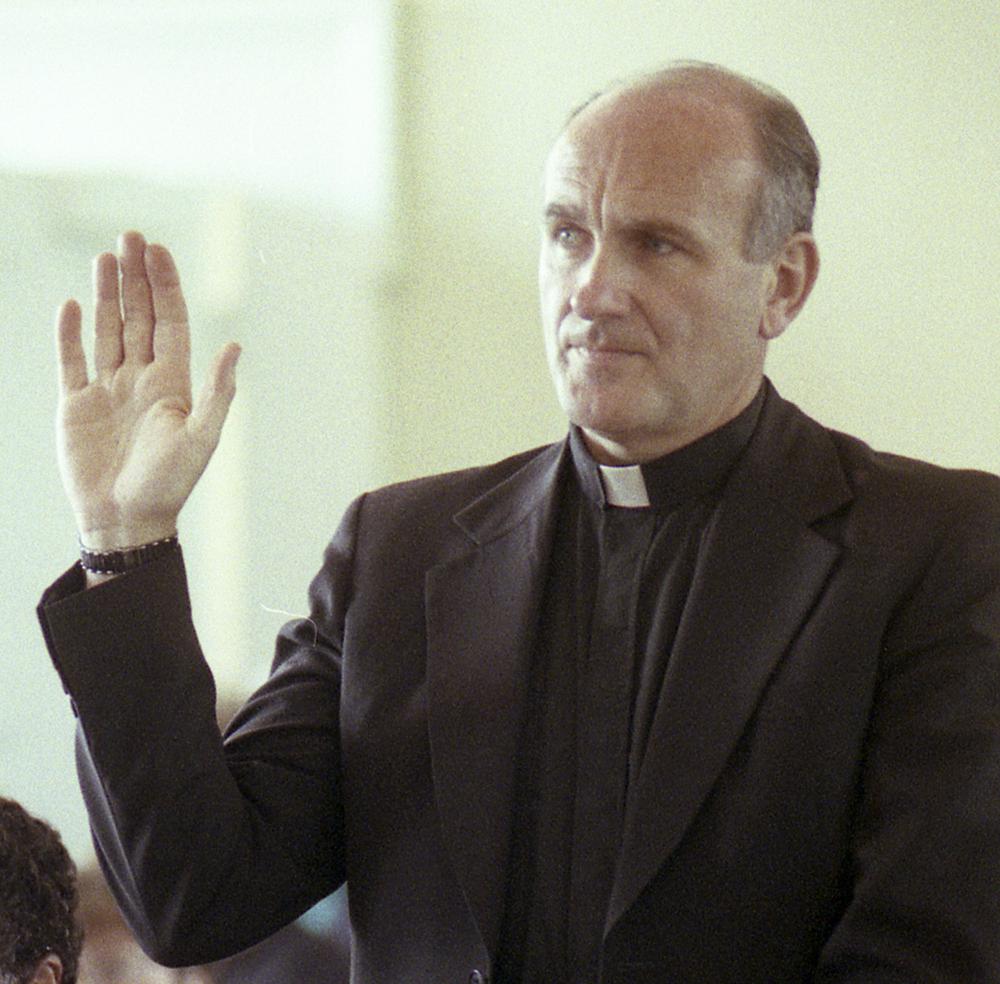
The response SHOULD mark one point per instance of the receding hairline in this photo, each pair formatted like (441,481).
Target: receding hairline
(700,78)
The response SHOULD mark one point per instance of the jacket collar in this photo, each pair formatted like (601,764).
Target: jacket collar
(482,610)
(762,554)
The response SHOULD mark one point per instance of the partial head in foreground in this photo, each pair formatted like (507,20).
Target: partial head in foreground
(39,937)
(677,242)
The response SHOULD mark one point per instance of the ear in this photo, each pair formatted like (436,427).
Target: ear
(49,971)
(793,274)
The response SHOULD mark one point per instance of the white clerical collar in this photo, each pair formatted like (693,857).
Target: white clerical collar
(624,486)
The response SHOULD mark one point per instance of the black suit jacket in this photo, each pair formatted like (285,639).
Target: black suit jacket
(820,798)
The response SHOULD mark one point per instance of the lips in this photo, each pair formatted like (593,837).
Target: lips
(600,360)
(602,348)
(607,349)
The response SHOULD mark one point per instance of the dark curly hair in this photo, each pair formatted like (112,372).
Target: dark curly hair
(37,897)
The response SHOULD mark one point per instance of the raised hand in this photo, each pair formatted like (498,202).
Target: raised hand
(131,442)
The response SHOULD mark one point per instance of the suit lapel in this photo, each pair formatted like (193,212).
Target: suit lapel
(482,612)
(759,572)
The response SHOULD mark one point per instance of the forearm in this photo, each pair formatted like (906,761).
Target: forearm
(204,845)
(209,850)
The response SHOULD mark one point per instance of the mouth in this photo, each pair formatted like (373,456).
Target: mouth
(601,353)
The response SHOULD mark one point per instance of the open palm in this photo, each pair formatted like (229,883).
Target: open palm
(132,444)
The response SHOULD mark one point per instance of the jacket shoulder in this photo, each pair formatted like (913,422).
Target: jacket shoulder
(420,514)
(873,496)
(899,476)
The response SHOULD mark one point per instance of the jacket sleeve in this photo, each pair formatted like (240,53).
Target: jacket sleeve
(925,900)
(208,845)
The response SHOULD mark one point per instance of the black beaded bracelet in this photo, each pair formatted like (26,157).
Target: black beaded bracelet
(127,558)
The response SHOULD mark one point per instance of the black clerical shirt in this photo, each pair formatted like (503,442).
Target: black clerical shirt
(615,594)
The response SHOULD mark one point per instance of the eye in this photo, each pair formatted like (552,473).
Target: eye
(658,245)
(567,235)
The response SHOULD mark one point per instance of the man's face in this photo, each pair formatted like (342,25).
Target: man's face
(654,321)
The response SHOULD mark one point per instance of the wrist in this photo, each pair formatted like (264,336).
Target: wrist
(121,560)
(108,538)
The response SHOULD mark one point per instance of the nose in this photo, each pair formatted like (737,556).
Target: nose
(601,289)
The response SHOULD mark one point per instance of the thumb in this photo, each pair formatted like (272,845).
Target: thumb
(209,411)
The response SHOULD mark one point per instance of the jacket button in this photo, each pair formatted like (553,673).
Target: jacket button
(477,977)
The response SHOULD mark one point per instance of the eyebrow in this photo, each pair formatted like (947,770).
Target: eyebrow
(558,210)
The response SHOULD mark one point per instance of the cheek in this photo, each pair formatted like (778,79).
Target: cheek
(716,317)
(546,270)
(555,277)
(748,301)
(549,322)
(553,305)
(551,347)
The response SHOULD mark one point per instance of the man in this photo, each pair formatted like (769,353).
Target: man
(705,692)
(39,937)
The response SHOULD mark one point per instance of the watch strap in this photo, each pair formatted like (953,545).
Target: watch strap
(127,559)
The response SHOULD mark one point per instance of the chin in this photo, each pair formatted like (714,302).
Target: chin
(612,429)
(615,415)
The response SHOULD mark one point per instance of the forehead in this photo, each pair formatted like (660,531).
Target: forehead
(682,152)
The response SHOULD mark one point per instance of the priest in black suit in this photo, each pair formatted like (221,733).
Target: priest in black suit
(705,692)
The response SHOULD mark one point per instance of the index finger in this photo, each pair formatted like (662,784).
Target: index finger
(170,333)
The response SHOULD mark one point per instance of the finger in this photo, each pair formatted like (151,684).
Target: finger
(137,304)
(171,338)
(210,409)
(69,348)
(108,352)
